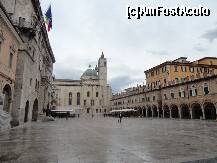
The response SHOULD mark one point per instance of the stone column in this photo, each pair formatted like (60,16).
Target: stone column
(180,113)
(203,112)
(146,112)
(191,115)
(152,113)
(158,113)
(170,112)
(163,113)
(142,112)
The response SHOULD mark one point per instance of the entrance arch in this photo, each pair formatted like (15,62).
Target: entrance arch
(26,112)
(7,98)
(174,111)
(35,111)
(160,112)
(209,111)
(196,111)
(144,112)
(155,112)
(185,112)
(166,111)
(149,111)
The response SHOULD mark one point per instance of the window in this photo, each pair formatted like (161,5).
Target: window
(11,60)
(70,98)
(92,102)
(191,69)
(153,98)
(88,94)
(206,88)
(96,110)
(184,69)
(30,82)
(105,64)
(97,94)
(182,92)
(85,102)
(176,68)
(165,97)
(78,98)
(193,91)
(172,95)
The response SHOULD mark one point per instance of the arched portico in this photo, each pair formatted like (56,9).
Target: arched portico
(197,112)
(174,111)
(209,110)
(149,111)
(35,111)
(154,110)
(185,111)
(166,111)
(7,97)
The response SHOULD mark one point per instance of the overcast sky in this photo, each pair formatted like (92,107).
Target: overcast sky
(82,29)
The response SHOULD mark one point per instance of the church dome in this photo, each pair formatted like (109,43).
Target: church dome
(90,72)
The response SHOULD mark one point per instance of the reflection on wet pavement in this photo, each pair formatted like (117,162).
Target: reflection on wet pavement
(102,140)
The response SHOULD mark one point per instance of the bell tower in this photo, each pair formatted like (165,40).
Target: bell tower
(102,70)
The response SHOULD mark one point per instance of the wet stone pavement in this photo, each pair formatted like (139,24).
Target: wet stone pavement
(102,140)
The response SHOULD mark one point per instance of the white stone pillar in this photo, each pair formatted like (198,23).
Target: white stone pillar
(158,113)
(203,111)
(152,113)
(146,112)
(163,113)
(170,112)
(180,113)
(191,114)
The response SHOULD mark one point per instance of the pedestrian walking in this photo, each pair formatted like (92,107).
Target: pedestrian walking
(120,117)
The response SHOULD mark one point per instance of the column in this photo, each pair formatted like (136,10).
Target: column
(170,112)
(142,112)
(146,112)
(180,113)
(152,113)
(158,113)
(203,112)
(191,115)
(163,113)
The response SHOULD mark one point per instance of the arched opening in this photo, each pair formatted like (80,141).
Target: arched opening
(154,109)
(35,111)
(160,112)
(174,111)
(196,111)
(149,111)
(26,112)
(7,98)
(210,111)
(166,111)
(88,110)
(144,112)
(185,112)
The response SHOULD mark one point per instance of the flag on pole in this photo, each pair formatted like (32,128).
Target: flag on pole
(48,18)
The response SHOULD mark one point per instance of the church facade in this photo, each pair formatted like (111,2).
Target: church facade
(89,95)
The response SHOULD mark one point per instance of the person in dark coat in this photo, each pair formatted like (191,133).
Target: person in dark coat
(120,117)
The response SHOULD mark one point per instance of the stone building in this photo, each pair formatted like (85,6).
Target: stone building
(179,70)
(10,42)
(192,98)
(34,63)
(89,95)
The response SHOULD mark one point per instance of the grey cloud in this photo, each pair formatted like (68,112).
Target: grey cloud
(210,35)
(121,82)
(65,73)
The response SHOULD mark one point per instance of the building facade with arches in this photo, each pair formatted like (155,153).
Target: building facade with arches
(90,95)
(194,97)
(10,42)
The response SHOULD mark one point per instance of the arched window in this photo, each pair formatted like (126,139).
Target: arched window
(88,94)
(182,92)
(97,94)
(70,98)
(206,88)
(78,98)
(193,91)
